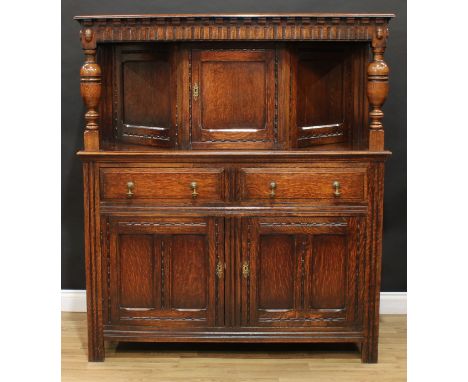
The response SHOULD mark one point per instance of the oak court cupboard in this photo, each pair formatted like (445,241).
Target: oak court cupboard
(233,177)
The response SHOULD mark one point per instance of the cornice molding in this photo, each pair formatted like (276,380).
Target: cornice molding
(305,27)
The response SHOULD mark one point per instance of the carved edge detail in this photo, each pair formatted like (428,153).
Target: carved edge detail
(109,312)
(163,274)
(151,224)
(249,226)
(303,256)
(235,28)
(318,136)
(217,279)
(161,319)
(300,224)
(302,319)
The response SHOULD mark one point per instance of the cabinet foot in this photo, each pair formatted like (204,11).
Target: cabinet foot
(369,351)
(96,350)
(96,355)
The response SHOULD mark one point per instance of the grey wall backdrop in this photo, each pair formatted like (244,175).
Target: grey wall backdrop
(394,240)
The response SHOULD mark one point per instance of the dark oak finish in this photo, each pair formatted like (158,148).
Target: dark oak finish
(145,96)
(303,184)
(164,271)
(304,272)
(227,81)
(164,184)
(233,177)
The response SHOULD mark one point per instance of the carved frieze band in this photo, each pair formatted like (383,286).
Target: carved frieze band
(163,275)
(108,260)
(303,256)
(318,136)
(301,224)
(303,319)
(249,226)
(147,136)
(217,262)
(169,224)
(234,28)
(162,319)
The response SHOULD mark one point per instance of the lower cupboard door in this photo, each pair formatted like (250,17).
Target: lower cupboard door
(302,272)
(166,272)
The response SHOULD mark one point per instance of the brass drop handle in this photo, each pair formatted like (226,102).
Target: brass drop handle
(337,185)
(245,269)
(273,189)
(130,187)
(193,187)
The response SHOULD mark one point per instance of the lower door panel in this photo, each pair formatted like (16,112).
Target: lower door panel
(164,272)
(301,272)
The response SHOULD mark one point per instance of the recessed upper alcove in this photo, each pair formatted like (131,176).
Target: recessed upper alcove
(276,82)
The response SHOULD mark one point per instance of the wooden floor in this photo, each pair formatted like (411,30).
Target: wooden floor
(231,362)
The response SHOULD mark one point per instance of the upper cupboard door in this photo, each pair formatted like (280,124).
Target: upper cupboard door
(326,94)
(233,98)
(145,95)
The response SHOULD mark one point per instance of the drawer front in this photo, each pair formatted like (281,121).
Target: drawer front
(163,184)
(303,184)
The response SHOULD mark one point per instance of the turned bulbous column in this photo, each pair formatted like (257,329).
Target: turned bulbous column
(377,89)
(90,86)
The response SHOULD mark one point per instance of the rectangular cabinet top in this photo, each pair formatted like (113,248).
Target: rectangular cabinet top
(237,15)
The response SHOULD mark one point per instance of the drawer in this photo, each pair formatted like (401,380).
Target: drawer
(303,184)
(163,184)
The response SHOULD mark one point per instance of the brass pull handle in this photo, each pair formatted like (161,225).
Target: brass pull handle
(337,185)
(220,269)
(195,91)
(245,269)
(193,187)
(130,187)
(273,189)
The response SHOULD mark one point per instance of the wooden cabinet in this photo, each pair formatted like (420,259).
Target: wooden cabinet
(233,171)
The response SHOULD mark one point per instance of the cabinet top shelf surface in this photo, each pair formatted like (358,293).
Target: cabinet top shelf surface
(236,15)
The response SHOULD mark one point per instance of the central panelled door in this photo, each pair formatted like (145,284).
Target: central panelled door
(233,98)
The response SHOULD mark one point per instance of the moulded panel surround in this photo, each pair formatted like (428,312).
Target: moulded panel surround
(233,98)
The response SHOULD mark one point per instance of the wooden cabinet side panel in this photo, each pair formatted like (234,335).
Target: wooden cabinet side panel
(93,263)
(369,348)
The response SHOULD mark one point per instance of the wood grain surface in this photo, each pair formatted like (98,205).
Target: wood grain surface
(231,362)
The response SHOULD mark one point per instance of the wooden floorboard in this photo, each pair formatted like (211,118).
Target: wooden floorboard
(232,362)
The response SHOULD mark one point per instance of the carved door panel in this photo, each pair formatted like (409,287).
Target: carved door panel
(322,95)
(145,94)
(166,272)
(233,98)
(301,271)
